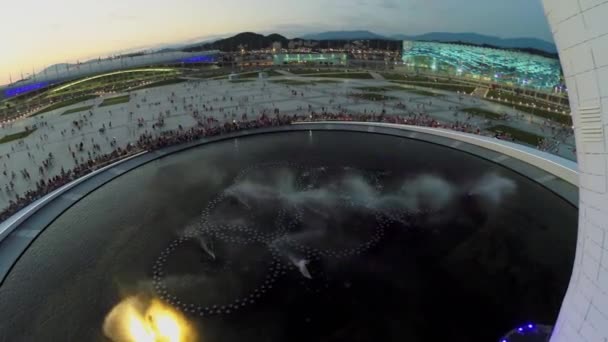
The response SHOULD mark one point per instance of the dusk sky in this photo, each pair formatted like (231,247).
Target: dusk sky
(38,33)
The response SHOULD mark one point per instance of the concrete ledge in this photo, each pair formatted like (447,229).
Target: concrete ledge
(557,174)
(560,167)
(20,230)
(12,222)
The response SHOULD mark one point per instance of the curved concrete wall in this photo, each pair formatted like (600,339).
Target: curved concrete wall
(580,28)
(550,163)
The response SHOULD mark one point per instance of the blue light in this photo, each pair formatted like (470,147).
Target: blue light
(526,330)
(11,92)
(508,65)
(199,59)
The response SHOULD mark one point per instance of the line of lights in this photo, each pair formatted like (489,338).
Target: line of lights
(504,65)
(111,74)
(200,59)
(12,92)
(280,58)
(527,332)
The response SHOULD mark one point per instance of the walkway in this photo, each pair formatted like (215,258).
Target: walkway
(285,73)
(224,101)
(376,76)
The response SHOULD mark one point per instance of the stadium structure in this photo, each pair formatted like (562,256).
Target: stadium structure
(62,73)
(491,65)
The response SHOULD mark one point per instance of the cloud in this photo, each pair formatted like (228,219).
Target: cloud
(386,4)
(121,16)
(389,4)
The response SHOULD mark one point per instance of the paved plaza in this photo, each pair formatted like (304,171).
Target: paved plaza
(61,135)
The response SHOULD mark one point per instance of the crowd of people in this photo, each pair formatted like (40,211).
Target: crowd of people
(413,119)
(44,187)
(206,127)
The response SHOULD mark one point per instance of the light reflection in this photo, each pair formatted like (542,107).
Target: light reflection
(137,319)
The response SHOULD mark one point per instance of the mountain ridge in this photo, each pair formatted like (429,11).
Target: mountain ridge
(447,37)
(342,35)
(249,40)
(480,39)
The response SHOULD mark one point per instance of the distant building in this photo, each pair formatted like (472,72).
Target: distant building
(337,59)
(65,72)
(487,64)
(277,46)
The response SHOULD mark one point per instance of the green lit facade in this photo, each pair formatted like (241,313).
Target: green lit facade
(495,65)
(310,58)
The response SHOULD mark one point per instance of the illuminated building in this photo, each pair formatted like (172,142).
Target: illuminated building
(495,65)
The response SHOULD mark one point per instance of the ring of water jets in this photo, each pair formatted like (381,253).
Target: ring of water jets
(188,304)
(276,242)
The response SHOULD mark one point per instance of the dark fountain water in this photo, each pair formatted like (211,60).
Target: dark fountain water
(304,237)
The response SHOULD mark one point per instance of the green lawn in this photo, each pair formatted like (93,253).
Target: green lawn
(242,80)
(272,73)
(483,113)
(373,89)
(326,81)
(513,97)
(76,110)
(304,71)
(393,77)
(160,83)
(253,74)
(292,82)
(382,88)
(305,82)
(115,100)
(516,98)
(373,97)
(114,81)
(517,134)
(403,77)
(353,75)
(557,117)
(16,136)
(215,77)
(64,104)
(450,87)
(504,95)
(442,86)
(420,92)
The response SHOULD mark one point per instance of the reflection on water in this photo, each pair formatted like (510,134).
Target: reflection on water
(346,236)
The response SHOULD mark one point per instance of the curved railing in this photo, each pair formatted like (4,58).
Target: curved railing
(7,226)
(560,167)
